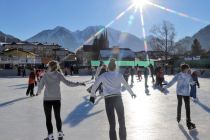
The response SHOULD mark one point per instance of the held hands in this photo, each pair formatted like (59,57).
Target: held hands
(81,84)
(133,96)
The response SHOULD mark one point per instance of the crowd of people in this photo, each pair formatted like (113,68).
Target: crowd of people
(108,82)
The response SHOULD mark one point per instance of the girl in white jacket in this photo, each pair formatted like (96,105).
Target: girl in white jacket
(184,80)
(52,96)
(111,83)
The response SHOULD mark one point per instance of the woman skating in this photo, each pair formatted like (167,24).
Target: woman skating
(184,80)
(52,97)
(111,82)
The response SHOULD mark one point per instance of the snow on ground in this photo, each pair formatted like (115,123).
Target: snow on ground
(148,117)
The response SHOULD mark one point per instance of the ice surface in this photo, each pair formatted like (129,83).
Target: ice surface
(151,116)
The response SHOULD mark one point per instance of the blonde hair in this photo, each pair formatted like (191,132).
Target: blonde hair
(112,65)
(54,66)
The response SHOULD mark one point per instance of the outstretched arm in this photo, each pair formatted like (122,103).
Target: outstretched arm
(69,83)
(96,85)
(173,81)
(40,86)
(127,87)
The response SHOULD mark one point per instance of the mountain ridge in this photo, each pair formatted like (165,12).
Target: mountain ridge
(73,40)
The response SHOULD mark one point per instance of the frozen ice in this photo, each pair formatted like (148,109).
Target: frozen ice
(151,116)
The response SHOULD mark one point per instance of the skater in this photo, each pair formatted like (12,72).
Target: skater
(151,67)
(113,101)
(52,97)
(146,74)
(31,84)
(103,69)
(132,72)
(139,73)
(19,71)
(160,77)
(126,74)
(98,70)
(71,70)
(66,72)
(184,80)
(193,90)
(93,71)
(24,72)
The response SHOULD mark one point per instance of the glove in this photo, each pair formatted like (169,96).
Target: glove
(133,96)
(92,100)
(82,84)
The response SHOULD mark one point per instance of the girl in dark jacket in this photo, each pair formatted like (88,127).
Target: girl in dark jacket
(193,91)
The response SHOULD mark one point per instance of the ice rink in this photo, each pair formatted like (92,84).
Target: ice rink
(151,116)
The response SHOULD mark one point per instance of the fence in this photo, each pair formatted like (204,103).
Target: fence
(125,63)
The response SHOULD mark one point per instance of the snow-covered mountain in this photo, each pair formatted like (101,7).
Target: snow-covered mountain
(203,36)
(8,38)
(73,40)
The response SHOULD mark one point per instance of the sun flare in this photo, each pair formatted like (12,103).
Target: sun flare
(140,3)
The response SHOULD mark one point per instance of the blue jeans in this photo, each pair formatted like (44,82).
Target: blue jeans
(193,91)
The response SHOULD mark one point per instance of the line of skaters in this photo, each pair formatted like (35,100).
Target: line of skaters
(108,82)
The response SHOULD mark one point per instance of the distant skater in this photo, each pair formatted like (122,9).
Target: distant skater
(24,72)
(160,79)
(146,74)
(93,71)
(126,74)
(193,91)
(132,73)
(139,73)
(184,80)
(152,72)
(52,97)
(111,82)
(31,84)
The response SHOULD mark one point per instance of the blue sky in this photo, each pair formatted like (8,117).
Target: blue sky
(25,18)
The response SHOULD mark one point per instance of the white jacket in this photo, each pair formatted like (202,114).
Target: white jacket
(111,83)
(184,80)
(51,81)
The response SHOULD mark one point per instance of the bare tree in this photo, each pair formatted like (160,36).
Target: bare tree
(163,38)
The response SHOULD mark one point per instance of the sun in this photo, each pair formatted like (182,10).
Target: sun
(140,3)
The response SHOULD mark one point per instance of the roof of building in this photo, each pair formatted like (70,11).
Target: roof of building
(17,50)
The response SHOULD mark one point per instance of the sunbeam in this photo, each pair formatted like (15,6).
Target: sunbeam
(108,25)
(143,29)
(178,13)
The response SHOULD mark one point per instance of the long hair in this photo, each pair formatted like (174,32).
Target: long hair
(54,66)
(112,65)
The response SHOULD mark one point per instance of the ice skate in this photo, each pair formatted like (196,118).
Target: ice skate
(190,126)
(60,135)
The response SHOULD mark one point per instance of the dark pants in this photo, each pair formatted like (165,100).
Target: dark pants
(193,91)
(187,107)
(115,104)
(30,90)
(48,114)
(132,80)
(145,80)
(159,81)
